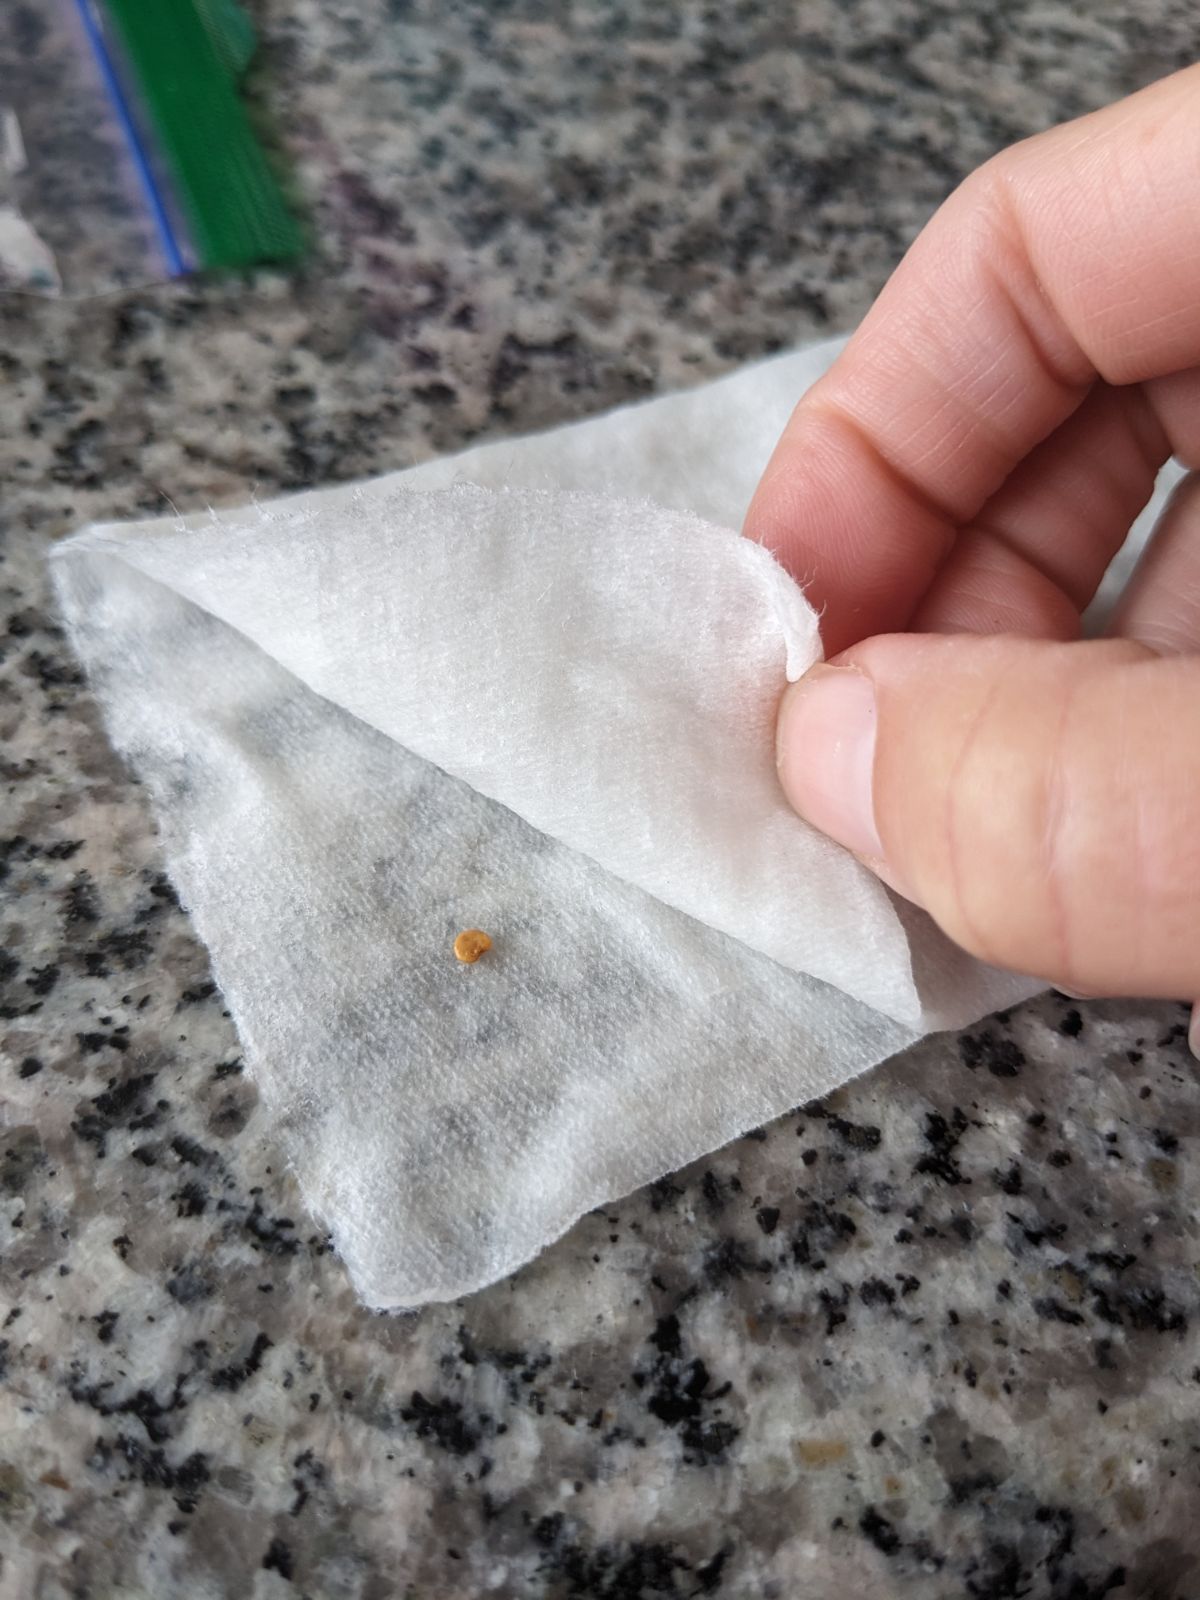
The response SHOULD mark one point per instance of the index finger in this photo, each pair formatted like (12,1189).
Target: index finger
(1067,258)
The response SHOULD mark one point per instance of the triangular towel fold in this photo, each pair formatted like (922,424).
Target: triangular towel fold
(530,689)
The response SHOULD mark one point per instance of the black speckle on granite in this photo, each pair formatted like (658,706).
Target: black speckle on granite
(190,1200)
(197,993)
(81,904)
(42,979)
(236,1374)
(154,1415)
(855,1135)
(999,1053)
(729,1259)
(823,1232)
(188,1283)
(21,1159)
(680,1392)
(712,1190)
(121,1105)
(1010,1180)
(1053,1310)
(876,1292)
(191,1153)
(942,1135)
(662,1192)
(151,1466)
(879,1531)
(442,1421)
(279,1559)
(635,1571)
(273,1235)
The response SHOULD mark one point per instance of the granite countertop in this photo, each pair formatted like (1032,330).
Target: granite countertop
(933,1337)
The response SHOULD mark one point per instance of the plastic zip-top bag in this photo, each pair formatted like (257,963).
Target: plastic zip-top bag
(126,156)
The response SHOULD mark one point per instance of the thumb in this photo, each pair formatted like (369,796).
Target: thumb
(1040,800)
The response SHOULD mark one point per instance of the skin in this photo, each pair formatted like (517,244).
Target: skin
(950,494)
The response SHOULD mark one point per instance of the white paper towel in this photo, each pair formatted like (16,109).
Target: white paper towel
(526,689)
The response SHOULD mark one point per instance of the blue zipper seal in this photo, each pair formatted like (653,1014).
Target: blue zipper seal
(155,204)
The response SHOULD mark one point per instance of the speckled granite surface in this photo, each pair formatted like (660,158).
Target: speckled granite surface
(934,1338)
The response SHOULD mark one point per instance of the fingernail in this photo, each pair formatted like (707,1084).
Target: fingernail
(826,755)
(1076,994)
(1194,1031)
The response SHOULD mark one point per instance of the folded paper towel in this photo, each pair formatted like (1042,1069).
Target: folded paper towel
(530,689)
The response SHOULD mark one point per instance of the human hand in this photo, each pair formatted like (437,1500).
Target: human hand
(958,482)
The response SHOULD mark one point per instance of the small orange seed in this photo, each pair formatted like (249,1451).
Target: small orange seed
(471,944)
